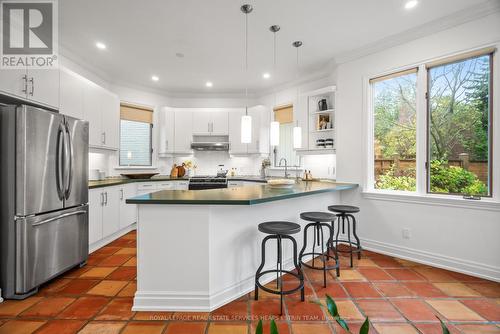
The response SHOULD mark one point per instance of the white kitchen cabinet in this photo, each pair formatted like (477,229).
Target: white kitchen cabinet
(128,212)
(71,94)
(210,122)
(181,185)
(102,110)
(202,122)
(96,201)
(254,146)
(219,123)
(39,86)
(110,113)
(146,188)
(235,144)
(183,135)
(166,131)
(167,185)
(110,211)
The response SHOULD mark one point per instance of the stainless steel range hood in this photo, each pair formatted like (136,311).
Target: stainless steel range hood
(210,143)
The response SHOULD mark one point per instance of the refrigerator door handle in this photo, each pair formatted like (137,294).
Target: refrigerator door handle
(79,212)
(69,162)
(60,162)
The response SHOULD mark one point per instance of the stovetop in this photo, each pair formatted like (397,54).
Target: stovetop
(207,179)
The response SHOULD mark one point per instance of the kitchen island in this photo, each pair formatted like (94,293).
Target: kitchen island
(198,250)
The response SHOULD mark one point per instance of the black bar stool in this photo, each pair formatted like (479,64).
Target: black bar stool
(279,230)
(319,220)
(344,213)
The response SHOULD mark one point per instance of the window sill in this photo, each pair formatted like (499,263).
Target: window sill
(437,200)
(135,167)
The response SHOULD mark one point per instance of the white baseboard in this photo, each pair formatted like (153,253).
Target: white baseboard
(103,242)
(194,301)
(441,261)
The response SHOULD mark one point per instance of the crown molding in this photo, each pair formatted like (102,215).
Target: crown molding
(432,27)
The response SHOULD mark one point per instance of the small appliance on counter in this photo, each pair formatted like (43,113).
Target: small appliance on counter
(94,175)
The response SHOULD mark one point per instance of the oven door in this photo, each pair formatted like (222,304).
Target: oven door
(49,244)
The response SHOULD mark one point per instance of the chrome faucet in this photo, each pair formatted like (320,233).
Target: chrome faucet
(286,167)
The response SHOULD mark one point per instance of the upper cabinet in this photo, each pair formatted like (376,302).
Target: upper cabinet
(210,122)
(83,99)
(183,133)
(260,131)
(166,126)
(37,86)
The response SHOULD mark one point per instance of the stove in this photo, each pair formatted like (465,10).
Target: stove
(207,182)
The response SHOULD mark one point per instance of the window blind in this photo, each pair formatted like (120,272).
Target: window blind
(137,114)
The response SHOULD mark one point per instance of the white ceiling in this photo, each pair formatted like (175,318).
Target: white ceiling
(143,37)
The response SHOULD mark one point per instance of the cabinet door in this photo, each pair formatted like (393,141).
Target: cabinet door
(95,215)
(111,211)
(92,95)
(181,185)
(183,131)
(128,212)
(235,145)
(110,112)
(14,82)
(166,131)
(43,86)
(254,146)
(219,120)
(201,122)
(71,94)
(167,185)
(146,188)
(264,121)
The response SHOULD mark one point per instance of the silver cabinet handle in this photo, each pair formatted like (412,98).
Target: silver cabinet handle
(121,194)
(102,199)
(32,81)
(103,138)
(106,198)
(166,145)
(25,78)
(79,212)
(208,126)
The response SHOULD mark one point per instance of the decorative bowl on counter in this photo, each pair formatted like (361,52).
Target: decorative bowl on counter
(139,175)
(281,183)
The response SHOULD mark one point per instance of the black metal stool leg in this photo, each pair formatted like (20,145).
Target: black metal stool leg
(280,254)
(304,246)
(334,250)
(262,262)
(356,235)
(297,267)
(349,238)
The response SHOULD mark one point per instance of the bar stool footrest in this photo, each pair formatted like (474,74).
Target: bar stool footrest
(358,248)
(278,292)
(322,257)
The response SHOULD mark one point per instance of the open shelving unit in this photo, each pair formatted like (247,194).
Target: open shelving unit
(320,124)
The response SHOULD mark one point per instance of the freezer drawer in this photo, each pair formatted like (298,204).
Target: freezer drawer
(49,244)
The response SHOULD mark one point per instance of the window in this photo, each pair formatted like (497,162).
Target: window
(459,115)
(284,115)
(395,131)
(432,127)
(135,136)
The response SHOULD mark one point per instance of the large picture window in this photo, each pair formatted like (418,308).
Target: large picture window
(135,136)
(445,106)
(395,131)
(459,112)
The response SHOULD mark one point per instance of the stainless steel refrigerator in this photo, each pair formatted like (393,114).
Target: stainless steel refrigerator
(43,197)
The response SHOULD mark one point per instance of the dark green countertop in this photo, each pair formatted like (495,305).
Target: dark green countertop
(248,195)
(118,181)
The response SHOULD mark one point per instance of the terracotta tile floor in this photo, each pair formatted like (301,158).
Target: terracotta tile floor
(399,296)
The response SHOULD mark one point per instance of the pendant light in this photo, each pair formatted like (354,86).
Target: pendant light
(274,137)
(297,130)
(246,120)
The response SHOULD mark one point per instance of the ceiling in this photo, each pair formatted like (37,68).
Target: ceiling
(143,37)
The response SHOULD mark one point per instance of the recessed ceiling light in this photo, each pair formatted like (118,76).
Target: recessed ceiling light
(179,55)
(100,45)
(155,78)
(209,84)
(266,75)
(411,4)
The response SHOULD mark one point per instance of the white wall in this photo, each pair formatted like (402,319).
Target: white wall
(462,238)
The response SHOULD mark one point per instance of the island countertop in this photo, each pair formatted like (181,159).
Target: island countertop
(246,195)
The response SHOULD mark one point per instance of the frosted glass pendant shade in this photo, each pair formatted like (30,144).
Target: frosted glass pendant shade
(246,129)
(274,137)
(297,137)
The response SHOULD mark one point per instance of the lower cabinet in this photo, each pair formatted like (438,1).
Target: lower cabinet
(108,212)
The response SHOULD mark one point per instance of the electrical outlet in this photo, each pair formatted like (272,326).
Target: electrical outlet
(406,233)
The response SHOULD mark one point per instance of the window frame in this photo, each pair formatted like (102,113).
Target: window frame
(151,149)
(454,60)
(421,195)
